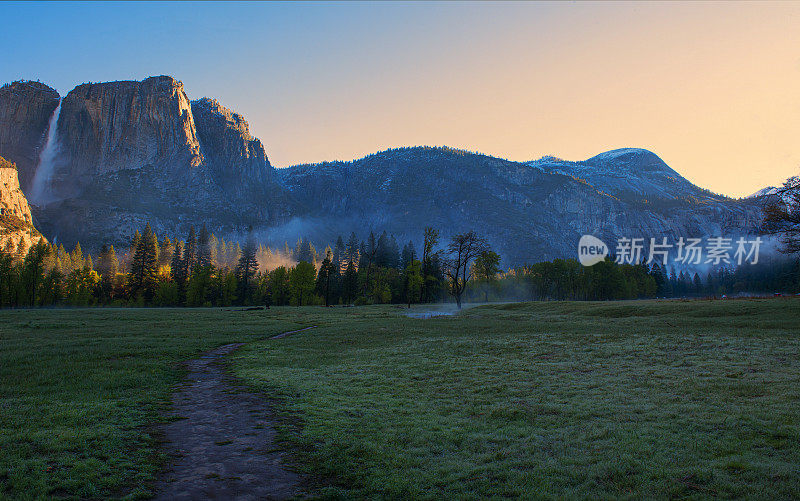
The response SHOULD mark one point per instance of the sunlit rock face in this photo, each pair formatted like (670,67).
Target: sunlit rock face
(109,127)
(17,233)
(237,159)
(25,110)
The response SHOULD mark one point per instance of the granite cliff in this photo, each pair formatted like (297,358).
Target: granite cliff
(130,152)
(25,110)
(238,158)
(17,233)
(111,127)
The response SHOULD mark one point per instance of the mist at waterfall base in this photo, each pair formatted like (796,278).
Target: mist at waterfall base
(41,193)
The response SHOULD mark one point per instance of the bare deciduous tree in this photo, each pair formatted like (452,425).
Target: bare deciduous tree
(782,215)
(463,249)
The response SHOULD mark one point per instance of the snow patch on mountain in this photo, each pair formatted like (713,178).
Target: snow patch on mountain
(763,192)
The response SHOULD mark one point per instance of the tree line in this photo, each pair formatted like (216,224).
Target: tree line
(567,279)
(202,270)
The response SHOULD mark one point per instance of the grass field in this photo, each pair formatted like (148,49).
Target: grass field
(80,390)
(570,400)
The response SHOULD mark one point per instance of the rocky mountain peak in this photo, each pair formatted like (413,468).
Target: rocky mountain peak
(233,155)
(632,173)
(232,119)
(631,159)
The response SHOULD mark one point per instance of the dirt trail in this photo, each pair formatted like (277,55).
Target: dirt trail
(289,333)
(224,447)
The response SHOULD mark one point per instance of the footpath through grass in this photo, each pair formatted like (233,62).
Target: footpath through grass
(80,390)
(558,400)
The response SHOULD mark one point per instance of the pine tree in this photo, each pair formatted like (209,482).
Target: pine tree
(351,251)
(203,248)
(149,263)
(234,253)
(177,270)
(369,254)
(393,253)
(409,255)
(247,267)
(213,245)
(76,257)
(33,272)
(107,267)
(136,270)
(305,252)
(697,284)
(222,254)
(189,254)
(339,254)
(350,283)
(143,276)
(326,276)
(382,256)
(7,292)
(165,252)
(137,237)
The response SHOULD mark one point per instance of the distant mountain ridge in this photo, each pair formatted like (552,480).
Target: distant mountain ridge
(627,171)
(131,152)
(763,192)
(529,212)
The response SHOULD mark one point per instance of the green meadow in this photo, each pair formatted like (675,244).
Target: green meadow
(640,399)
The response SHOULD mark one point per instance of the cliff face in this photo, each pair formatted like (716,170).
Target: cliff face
(17,233)
(133,152)
(236,158)
(25,111)
(109,127)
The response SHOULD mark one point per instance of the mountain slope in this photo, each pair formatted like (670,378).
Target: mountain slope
(528,212)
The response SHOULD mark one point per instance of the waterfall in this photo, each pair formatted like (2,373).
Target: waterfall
(44,171)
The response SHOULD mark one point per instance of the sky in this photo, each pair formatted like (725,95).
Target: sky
(712,88)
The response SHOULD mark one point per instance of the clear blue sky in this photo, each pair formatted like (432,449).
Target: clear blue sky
(710,87)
